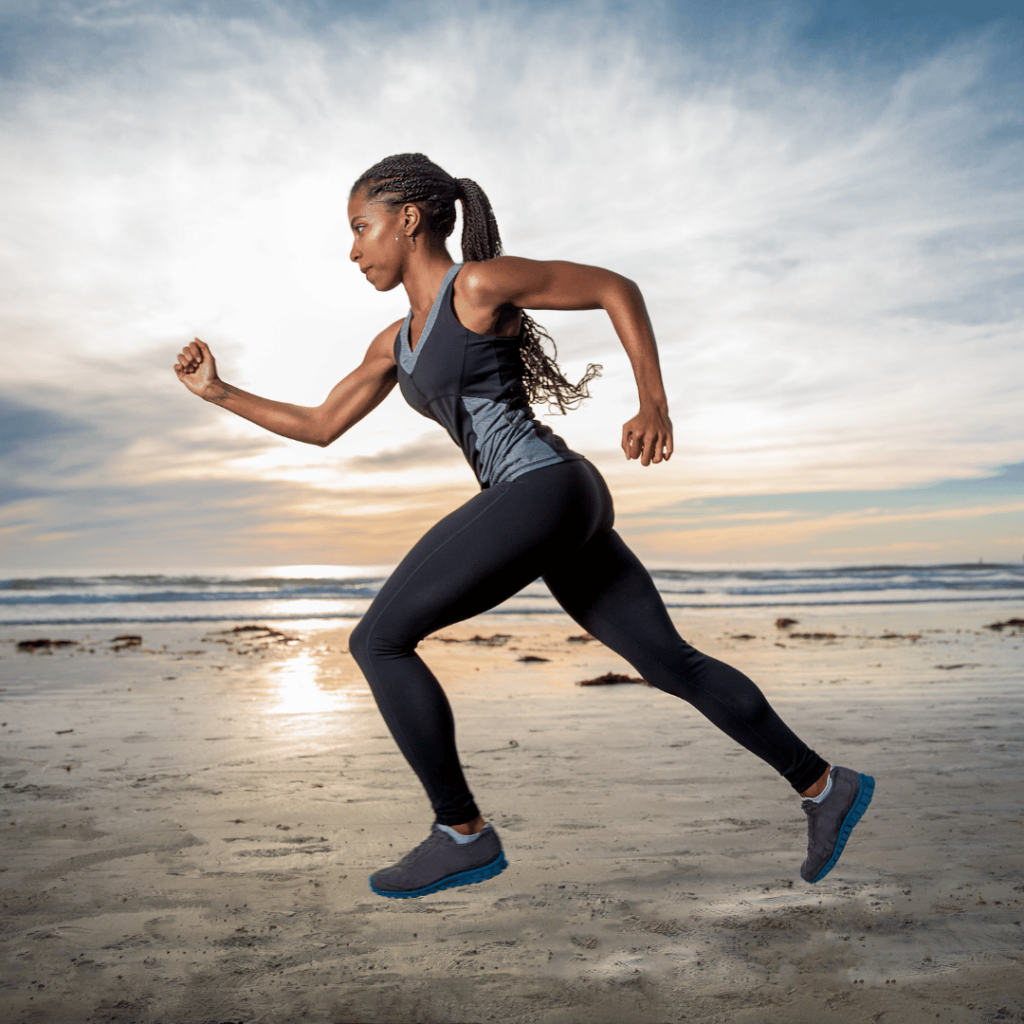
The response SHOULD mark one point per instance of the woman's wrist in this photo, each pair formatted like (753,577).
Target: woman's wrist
(215,391)
(656,402)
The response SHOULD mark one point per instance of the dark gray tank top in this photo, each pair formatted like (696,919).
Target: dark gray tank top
(467,383)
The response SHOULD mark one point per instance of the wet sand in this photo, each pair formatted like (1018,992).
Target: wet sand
(187,825)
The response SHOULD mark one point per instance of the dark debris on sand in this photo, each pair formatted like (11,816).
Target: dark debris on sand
(126,641)
(497,640)
(266,633)
(611,678)
(43,644)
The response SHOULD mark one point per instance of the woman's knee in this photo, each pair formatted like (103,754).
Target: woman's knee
(359,642)
(372,639)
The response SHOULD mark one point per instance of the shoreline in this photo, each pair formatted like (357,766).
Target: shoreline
(340,620)
(186,836)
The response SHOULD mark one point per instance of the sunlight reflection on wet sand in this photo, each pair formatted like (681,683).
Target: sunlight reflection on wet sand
(298,691)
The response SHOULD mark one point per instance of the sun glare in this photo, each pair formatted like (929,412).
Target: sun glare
(297,690)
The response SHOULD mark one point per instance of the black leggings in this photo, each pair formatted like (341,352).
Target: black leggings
(554,522)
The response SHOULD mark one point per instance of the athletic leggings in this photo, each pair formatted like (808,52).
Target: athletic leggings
(554,522)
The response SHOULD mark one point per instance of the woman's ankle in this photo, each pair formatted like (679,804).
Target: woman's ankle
(819,786)
(470,828)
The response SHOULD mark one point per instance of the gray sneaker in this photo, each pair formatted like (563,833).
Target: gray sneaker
(439,862)
(830,823)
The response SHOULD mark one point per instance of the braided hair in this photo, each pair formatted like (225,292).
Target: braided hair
(412,178)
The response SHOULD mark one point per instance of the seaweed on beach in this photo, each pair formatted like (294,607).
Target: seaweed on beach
(267,633)
(611,679)
(496,640)
(43,644)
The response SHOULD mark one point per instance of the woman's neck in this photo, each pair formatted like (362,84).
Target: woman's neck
(422,279)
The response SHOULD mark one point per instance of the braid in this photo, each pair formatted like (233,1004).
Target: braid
(412,178)
(480,238)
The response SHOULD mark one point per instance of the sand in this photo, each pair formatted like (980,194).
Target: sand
(187,825)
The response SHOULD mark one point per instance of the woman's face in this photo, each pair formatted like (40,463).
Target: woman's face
(377,245)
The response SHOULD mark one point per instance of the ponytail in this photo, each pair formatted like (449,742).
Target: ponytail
(480,238)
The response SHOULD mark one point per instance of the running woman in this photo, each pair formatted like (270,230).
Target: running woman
(468,356)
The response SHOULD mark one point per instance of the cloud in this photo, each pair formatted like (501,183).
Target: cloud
(829,247)
(961,519)
(433,449)
(28,428)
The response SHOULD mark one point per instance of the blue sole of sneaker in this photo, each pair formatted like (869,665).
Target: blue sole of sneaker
(462,878)
(860,805)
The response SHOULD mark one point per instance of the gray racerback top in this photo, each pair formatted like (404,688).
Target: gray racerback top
(467,383)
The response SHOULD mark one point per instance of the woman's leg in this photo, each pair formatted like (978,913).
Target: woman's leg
(606,589)
(472,560)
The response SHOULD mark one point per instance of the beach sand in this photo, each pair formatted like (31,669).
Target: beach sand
(187,824)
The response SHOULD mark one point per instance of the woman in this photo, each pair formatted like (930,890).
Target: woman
(468,356)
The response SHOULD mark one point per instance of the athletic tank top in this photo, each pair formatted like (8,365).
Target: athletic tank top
(466,382)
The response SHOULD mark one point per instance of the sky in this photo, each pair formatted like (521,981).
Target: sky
(822,204)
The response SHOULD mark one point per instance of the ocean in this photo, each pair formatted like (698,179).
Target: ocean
(326,592)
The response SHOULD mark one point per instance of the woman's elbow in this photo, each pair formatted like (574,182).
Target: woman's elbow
(630,287)
(620,291)
(329,433)
(323,429)
(324,438)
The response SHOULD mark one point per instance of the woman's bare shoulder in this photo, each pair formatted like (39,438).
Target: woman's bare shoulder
(493,283)
(383,345)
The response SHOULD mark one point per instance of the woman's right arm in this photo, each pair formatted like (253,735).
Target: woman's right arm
(349,401)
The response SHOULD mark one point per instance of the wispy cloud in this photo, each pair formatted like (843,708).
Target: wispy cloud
(952,520)
(830,254)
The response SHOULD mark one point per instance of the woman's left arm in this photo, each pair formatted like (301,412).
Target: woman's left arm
(557,284)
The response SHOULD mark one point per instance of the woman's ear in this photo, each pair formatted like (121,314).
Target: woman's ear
(411,219)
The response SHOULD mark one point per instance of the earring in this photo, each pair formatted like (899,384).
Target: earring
(410,242)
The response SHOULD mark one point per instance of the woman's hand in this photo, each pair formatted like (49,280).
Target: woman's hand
(196,368)
(648,436)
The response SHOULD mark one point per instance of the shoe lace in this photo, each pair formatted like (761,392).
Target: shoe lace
(432,840)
